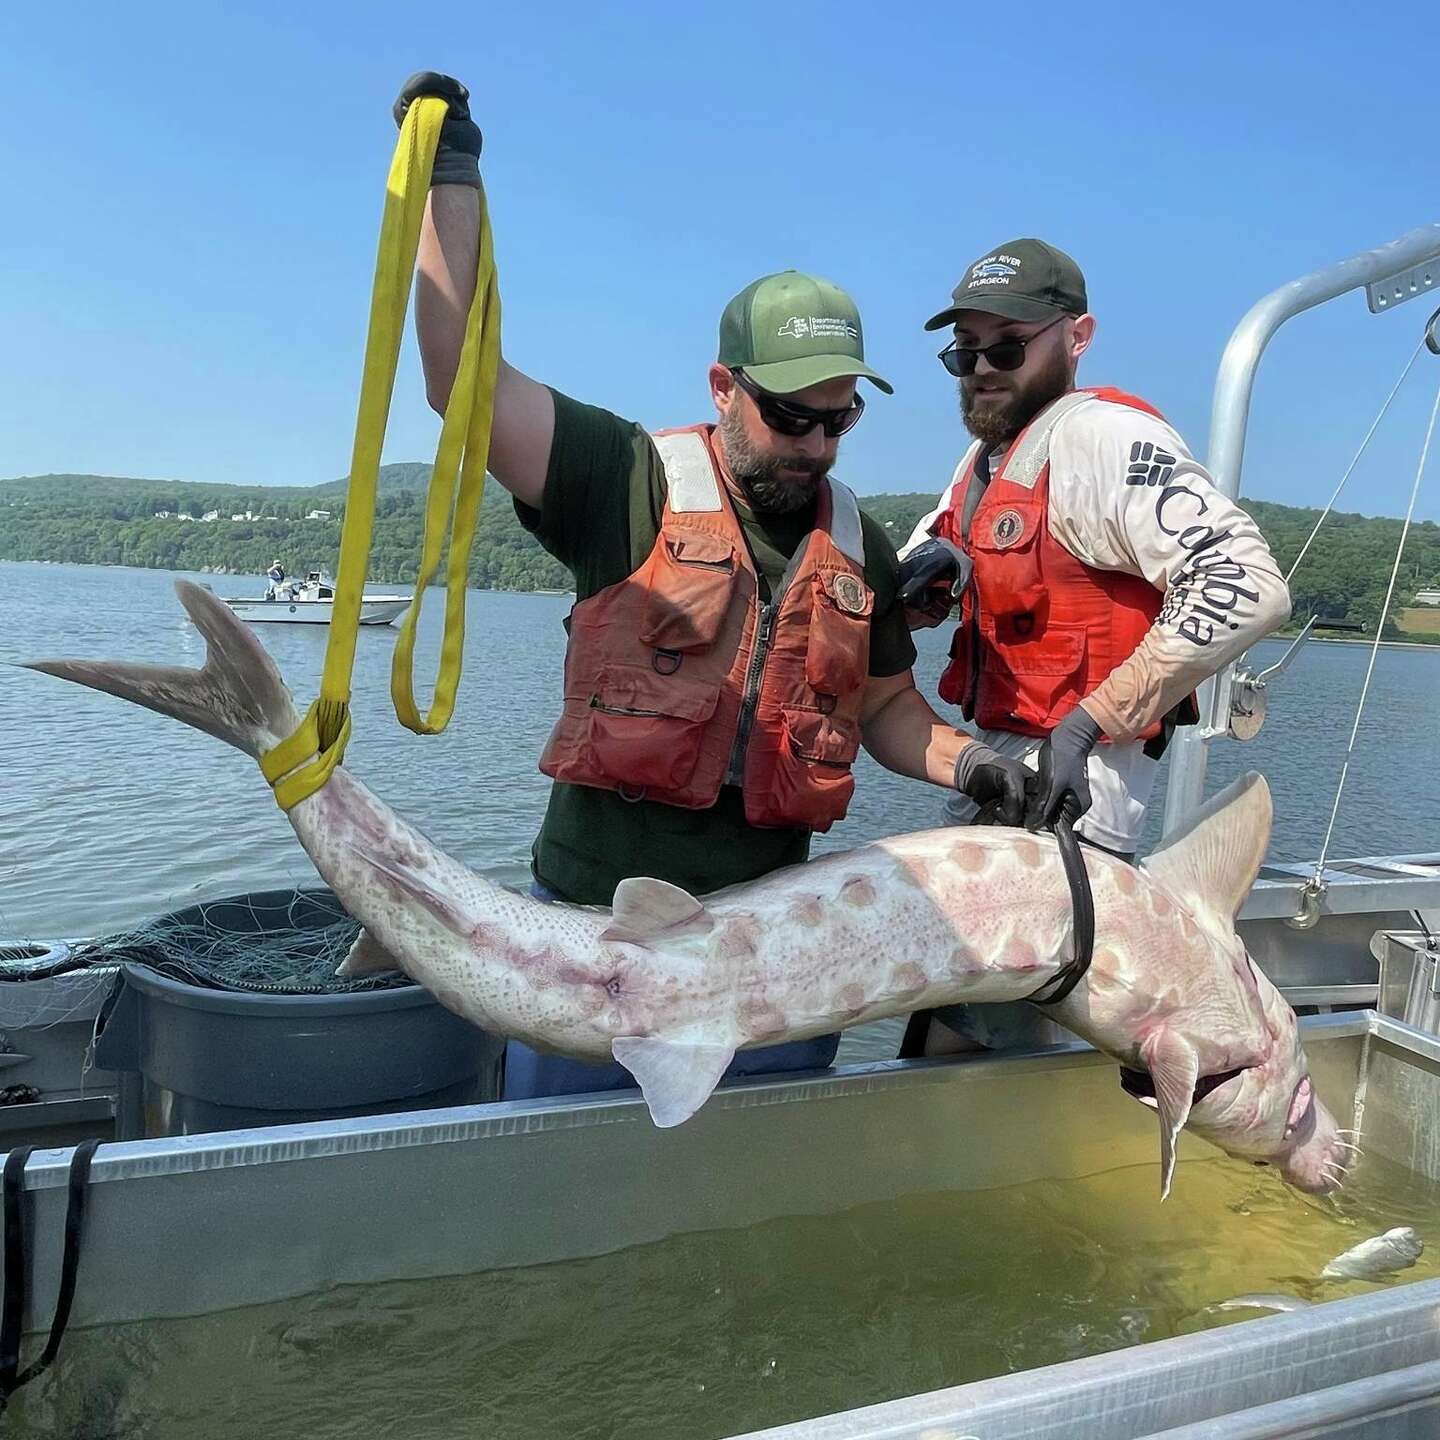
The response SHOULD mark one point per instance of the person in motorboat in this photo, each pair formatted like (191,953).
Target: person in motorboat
(276,577)
(736,634)
(1099,573)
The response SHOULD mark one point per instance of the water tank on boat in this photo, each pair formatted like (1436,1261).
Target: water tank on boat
(195,1057)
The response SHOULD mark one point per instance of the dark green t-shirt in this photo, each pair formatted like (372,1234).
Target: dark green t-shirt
(600,516)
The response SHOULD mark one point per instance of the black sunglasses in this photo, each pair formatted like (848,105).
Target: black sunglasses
(1007,354)
(785,417)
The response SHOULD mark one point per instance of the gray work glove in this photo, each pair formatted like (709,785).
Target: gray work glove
(928,566)
(986,776)
(457,158)
(1064,787)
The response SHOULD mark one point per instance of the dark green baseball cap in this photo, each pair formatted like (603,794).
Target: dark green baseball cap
(790,330)
(1023,280)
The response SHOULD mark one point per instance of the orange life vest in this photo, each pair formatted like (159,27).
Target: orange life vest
(1038,629)
(678,679)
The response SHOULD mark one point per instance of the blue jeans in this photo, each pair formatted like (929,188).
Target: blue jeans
(529,1075)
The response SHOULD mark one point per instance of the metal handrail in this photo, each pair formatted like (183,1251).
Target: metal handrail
(1402,270)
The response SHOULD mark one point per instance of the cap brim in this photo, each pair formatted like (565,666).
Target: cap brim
(1011,307)
(785,377)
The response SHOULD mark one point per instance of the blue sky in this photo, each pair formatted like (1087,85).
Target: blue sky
(194,193)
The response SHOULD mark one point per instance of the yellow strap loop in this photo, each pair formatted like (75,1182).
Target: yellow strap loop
(464,448)
(304,761)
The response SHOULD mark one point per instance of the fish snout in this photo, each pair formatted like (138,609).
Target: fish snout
(1320,1157)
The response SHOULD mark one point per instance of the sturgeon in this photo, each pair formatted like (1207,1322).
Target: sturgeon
(671,986)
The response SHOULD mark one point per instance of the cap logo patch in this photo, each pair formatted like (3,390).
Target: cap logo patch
(798,327)
(1009,527)
(849,593)
(993,270)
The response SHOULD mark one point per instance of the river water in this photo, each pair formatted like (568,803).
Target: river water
(110,814)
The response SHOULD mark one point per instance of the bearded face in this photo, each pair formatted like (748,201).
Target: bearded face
(774,484)
(996,405)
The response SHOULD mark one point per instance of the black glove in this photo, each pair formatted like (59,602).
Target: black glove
(936,562)
(457,158)
(1064,787)
(984,776)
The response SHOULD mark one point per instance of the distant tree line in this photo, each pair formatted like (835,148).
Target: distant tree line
(91,519)
(96,520)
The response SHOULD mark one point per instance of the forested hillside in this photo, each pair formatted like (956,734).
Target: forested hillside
(92,519)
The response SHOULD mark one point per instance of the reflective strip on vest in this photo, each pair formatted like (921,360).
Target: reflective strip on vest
(1032,454)
(845,527)
(689,475)
(693,489)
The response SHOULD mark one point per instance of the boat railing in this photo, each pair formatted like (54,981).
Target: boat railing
(1405,269)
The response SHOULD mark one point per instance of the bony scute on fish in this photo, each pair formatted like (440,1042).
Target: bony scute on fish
(672,986)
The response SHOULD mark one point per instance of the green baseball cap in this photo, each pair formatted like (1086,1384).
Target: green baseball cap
(790,330)
(1024,280)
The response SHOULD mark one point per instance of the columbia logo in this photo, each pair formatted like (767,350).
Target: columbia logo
(1149,464)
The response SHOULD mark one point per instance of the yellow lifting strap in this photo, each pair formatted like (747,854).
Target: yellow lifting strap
(298,766)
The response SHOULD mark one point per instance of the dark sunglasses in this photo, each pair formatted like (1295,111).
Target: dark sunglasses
(785,417)
(1007,354)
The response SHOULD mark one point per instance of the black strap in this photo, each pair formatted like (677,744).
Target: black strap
(917,1031)
(12,1305)
(78,1188)
(13,1312)
(1082,903)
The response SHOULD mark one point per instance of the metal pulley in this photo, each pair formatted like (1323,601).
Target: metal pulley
(1308,908)
(1248,690)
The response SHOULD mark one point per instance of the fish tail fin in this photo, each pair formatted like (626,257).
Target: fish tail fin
(237,695)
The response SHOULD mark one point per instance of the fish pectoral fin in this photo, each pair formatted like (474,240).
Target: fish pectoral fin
(1174,1068)
(644,908)
(675,1076)
(366,957)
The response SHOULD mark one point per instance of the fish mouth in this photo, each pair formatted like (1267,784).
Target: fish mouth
(1320,1157)
(1139,1084)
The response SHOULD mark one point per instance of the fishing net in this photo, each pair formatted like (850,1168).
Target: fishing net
(283,942)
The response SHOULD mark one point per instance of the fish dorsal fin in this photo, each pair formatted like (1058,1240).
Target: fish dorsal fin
(644,908)
(1174,1068)
(366,957)
(674,1076)
(1212,861)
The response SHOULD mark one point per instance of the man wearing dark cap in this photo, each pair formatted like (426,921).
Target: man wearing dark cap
(736,634)
(1100,574)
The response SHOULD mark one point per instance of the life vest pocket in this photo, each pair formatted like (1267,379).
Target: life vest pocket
(1004,543)
(644,729)
(1030,678)
(837,655)
(957,680)
(805,779)
(692,577)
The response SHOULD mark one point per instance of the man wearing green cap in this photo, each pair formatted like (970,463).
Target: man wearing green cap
(736,634)
(1101,575)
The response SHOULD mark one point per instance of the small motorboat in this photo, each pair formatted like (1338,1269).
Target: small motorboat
(311,601)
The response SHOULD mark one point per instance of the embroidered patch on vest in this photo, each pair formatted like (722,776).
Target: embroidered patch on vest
(849,593)
(1009,527)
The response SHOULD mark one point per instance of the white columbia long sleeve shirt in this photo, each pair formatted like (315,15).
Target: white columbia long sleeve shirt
(1127,495)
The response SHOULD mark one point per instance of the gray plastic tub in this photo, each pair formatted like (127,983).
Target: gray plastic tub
(197,1060)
